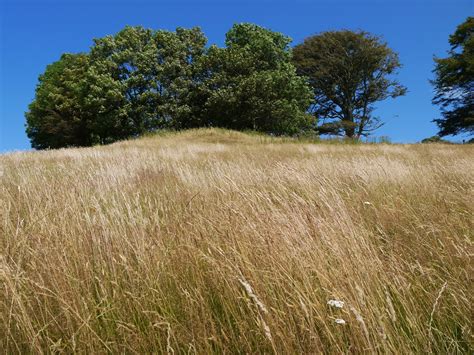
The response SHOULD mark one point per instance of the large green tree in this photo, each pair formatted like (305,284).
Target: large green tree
(136,81)
(252,84)
(57,116)
(155,72)
(348,72)
(454,83)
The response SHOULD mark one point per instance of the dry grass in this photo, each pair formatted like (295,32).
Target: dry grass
(211,241)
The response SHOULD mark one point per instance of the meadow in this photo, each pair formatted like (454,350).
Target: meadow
(213,241)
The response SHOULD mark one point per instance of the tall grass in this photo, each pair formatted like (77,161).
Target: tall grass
(211,241)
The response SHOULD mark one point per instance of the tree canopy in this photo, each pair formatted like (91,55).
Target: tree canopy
(136,81)
(348,72)
(140,80)
(454,83)
(57,118)
(254,85)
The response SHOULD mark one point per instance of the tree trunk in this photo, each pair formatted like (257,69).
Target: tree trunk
(348,124)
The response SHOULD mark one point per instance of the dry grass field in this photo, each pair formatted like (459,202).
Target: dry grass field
(211,241)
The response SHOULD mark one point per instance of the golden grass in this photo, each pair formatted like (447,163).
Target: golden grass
(211,241)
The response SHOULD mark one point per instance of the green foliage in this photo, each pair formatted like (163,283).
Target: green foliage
(154,71)
(56,117)
(134,82)
(454,83)
(254,85)
(141,80)
(435,139)
(349,72)
(123,84)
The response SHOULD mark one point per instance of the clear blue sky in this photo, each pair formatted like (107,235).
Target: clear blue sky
(34,33)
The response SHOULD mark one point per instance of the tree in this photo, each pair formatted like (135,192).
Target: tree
(348,72)
(136,81)
(251,83)
(454,83)
(180,58)
(154,71)
(56,117)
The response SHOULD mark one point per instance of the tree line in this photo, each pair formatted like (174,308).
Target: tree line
(141,80)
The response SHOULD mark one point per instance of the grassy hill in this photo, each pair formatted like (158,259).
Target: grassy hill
(215,241)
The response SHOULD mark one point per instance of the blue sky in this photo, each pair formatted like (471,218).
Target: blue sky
(35,33)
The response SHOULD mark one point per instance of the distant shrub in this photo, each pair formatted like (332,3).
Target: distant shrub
(435,139)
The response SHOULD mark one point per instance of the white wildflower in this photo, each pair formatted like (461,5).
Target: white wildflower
(336,303)
(340,321)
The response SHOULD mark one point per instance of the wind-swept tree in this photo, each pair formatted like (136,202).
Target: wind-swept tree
(454,83)
(349,72)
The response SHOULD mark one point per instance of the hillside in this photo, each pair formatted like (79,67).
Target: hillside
(214,241)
